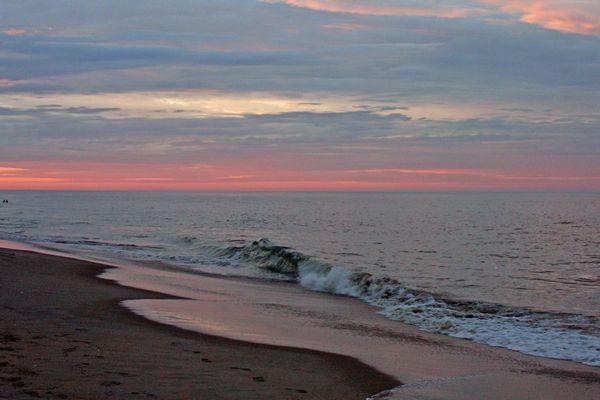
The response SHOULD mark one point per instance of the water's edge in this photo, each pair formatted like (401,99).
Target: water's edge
(553,335)
(565,336)
(113,264)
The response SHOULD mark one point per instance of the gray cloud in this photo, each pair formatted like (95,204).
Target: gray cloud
(317,118)
(45,110)
(416,58)
(63,56)
(540,88)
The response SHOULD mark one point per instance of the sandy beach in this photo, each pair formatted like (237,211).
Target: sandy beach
(63,335)
(68,333)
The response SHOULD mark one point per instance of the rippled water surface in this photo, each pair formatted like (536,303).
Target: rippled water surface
(535,251)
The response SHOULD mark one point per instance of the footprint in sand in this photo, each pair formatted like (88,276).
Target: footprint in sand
(241,368)
(27,371)
(9,338)
(69,350)
(110,383)
(297,390)
(150,395)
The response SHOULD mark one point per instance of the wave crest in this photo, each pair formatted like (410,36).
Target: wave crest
(265,255)
(555,335)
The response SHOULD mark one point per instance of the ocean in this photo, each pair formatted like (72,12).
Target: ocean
(514,270)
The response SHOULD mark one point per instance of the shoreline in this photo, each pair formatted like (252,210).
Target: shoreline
(430,366)
(52,338)
(539,332)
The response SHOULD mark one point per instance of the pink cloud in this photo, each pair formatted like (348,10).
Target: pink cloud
(368,8)
(4,171)
(14,31)
(569,16)
(8,82)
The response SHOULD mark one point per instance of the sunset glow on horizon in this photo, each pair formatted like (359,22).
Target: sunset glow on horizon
(276,95)
(222,178)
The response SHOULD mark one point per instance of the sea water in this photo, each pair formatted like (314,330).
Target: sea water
(516,270)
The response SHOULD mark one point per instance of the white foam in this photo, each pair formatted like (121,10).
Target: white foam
(336,280)
(539,334)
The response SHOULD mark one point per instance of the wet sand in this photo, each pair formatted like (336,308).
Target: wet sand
(66,332)
(279,313)
(64,335)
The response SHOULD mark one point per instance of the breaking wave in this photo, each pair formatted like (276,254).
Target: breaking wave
(555,335)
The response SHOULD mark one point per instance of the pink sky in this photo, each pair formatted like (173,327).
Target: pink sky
(301,95)
(95,176)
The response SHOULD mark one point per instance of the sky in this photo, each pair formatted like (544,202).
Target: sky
(300,95)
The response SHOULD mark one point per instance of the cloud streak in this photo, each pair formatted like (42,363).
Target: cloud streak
(11,171)
(64,56)
(581,16)
(345,26)
(14,31)
(362,7)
